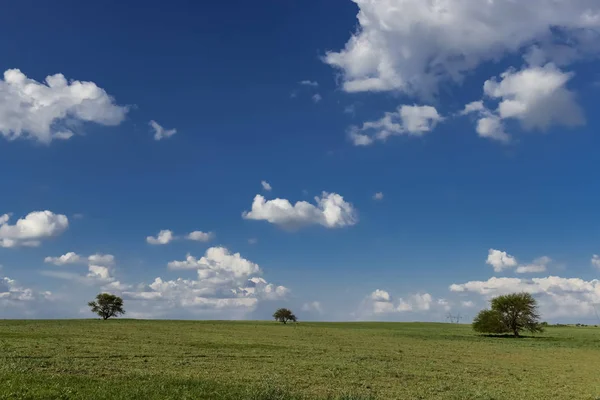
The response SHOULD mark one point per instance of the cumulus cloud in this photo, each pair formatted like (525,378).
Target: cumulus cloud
(65,259)
(164,237)
(218,263)
(406,120)
(381,302)
(102,259)
(11,293)
(558,297)
(413,45)
(160,132)
(500,260)
(538,265)
(226,281)
(200,236)
(52,110)
(266,186)
(536,96)
(32,229)
(330,211)
(317,98)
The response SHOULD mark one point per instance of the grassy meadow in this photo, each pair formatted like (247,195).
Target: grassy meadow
(125,359)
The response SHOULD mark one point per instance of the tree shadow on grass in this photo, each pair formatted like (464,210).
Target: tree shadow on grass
(509,336)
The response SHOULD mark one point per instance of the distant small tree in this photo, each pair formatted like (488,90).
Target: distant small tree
(284,315)
(107,305)
(511,313)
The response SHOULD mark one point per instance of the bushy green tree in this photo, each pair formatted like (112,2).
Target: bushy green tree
(107,305)
(284,315)
(511,313)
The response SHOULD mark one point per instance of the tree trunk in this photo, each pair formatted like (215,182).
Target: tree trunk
(284,322)
(516,332)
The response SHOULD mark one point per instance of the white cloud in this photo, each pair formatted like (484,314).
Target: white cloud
(536,96)
(538,265)
(467,303)
(11,293)
(313,306)
(226,281)
(164,237)
(102,259)
(266,186)
(218,263)
(309,83)
(316,98)
(160,132)
(596,261)
(200,236)
(99,272)
(29,231)
(51,110)
(252,241)
(330,211)
(65,259)
(500,260)
(407,120)
(566,297)
(378,196)
(381,295)
(413,45)
(381,302)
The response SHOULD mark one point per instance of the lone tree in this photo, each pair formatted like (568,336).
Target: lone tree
(107,305)
(511,313)
(284,315)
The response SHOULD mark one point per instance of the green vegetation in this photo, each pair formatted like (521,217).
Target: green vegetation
(107,306)
(126,359)
(511,313)
(284,315)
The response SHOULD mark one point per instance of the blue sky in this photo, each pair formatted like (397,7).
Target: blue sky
(477,126)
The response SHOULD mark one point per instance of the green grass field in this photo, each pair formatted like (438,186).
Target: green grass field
(124,359)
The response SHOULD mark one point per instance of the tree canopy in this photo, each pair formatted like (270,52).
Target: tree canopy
(511,313)
(107,306)
(284,315)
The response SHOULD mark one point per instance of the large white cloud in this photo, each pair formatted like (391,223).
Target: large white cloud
(225,281)
(558,297)
(330,211)
(32,229)
(53,109)
(536,96)
(413,45)
(407,120)
(218,263)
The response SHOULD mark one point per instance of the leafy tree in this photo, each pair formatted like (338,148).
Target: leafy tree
(511,313)
(107,305)
(284,315)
